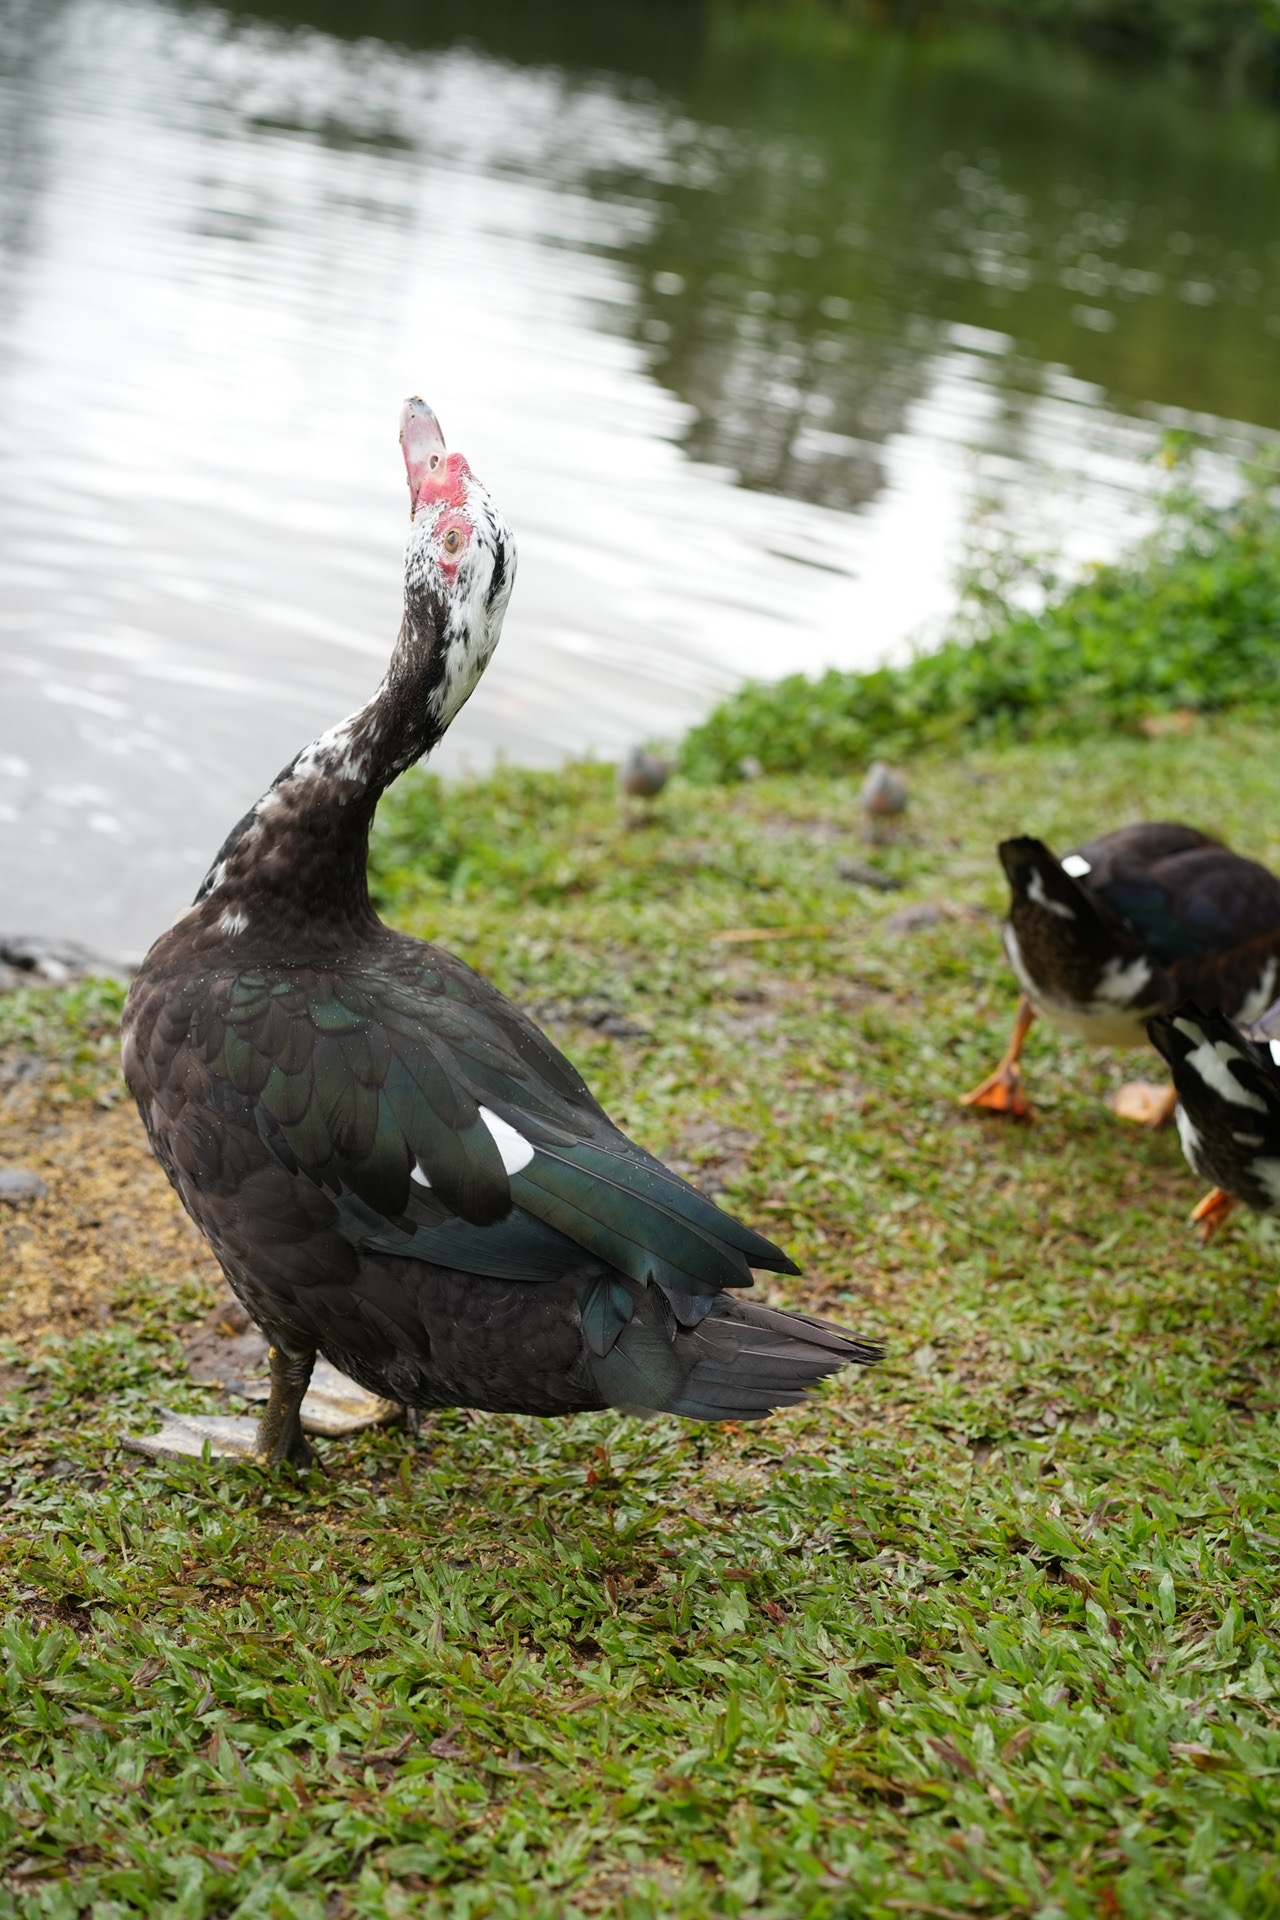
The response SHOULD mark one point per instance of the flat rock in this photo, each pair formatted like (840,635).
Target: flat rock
(929,913)
(28,957)
(230,1352)
(859,874)
(19,1186)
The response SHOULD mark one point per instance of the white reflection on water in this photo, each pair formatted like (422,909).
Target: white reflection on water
(230,253)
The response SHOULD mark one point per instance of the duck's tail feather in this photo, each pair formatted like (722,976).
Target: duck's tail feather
(739,1363)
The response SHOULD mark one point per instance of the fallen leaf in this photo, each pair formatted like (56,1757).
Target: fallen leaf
(1159,726)
(948,1752)
(1202,1757)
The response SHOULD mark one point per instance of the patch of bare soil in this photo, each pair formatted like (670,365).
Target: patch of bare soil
(712,1156)
(108,1215)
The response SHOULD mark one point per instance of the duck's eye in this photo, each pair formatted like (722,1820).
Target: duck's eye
(452,541)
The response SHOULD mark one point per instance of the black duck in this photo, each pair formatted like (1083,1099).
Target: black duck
(1127,926)
(1228,1086)
(394,1167)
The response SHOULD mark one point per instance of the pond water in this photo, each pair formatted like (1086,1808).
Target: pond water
(741,329)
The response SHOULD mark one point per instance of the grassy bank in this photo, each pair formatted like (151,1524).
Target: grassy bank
(1189,622)
(1239,36)
(993,1630)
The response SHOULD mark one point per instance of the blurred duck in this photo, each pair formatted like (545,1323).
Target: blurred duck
(642,777)
(1228,1086)
(1128,926)
(882,797)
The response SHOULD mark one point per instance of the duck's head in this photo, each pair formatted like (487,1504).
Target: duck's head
(460,561)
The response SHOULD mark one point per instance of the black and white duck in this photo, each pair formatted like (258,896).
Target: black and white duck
(394,1167)
(1228,1086)
(1125,927)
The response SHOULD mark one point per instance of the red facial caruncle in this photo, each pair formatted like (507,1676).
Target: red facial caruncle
(437,478)
(450,537)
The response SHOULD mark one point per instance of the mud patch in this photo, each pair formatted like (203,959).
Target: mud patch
(713,1156)
(108,1215)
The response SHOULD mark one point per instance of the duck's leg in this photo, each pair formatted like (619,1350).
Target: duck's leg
(1001,1091)
(280,1436)
(275,1437)
(1144,1102)
(1212,1213)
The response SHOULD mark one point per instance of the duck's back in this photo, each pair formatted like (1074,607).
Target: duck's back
(1185,894)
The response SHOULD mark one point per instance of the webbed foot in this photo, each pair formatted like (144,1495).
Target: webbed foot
(1212,1213)
(1145,1103)
(1001,1092)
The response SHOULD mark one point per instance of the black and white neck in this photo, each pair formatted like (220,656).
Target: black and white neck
(295,865)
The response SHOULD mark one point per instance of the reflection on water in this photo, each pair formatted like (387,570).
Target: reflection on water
(738,333)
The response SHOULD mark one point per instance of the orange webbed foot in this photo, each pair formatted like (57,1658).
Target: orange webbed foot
(1001,1092)
(1212,1212)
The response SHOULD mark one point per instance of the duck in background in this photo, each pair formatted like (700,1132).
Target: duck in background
(1127,927)
(641,778)
(883,799)
(1228,1087)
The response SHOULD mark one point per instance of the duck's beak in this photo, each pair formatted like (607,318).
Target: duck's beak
(426,458)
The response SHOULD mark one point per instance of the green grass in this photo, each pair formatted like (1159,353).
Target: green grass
(1189,620)
(994,1629)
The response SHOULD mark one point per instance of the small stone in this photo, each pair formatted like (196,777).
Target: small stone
(750,768)
(18,1186)
(859,874)
(915,919)
(33,957)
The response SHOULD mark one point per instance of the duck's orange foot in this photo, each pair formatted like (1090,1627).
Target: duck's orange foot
(1212,1212)
(1000,1092)
(1146,1104)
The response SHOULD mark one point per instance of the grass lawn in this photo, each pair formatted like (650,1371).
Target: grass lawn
(994,1629)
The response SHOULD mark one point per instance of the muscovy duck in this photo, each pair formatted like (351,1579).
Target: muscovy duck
(1127,926)
(1228,1086)
(393,1166)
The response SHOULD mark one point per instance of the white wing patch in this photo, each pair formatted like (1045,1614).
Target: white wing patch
(515,1149)
(1267,1175)
(1188,1133)
(1036,892)
(417,1174)
(1275,1051)
(1210,1062)
(1256,1003)
(1119,985)
(1076,865)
